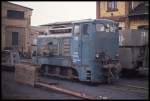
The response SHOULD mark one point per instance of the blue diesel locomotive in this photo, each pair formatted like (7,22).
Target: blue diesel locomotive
(86,50)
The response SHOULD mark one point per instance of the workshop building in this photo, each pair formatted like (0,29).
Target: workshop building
(129,14)
(16,27)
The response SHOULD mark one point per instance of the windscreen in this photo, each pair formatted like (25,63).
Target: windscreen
(107,38)
(107,27)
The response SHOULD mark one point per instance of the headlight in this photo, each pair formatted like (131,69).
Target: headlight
(97,55)
(117,56)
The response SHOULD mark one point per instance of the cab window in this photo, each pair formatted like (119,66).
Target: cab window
(86,29)
(105,27)
(77,30)
(100,27)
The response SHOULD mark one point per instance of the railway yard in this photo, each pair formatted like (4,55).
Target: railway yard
(68,66)
(124,88)
(102,58)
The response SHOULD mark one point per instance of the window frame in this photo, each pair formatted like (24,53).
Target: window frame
(14,14)
(88,28)
(113,6)
(96,26)
(107,27)
(14,39)
(75,34)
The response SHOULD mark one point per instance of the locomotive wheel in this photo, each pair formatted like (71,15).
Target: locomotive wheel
(61,72)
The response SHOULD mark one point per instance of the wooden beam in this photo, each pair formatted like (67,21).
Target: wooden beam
(69,92)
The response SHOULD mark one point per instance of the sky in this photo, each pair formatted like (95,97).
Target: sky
(48,12)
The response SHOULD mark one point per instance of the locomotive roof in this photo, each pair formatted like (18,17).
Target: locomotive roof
(94,20)
(58,23)
(79,21)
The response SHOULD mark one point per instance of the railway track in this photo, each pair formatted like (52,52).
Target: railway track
(121,87)
(56,86)
(130,88)
(134,86)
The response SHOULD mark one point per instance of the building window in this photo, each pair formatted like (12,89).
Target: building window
(112,6)
(15,14)
(15,38)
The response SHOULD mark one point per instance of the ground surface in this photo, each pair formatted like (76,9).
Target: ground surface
(13,90)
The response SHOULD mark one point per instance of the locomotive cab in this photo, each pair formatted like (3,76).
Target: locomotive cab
(95,50)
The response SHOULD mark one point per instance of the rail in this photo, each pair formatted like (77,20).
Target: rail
(63,90)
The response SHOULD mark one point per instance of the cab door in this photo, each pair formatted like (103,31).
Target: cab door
(87,44)
(76,44)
